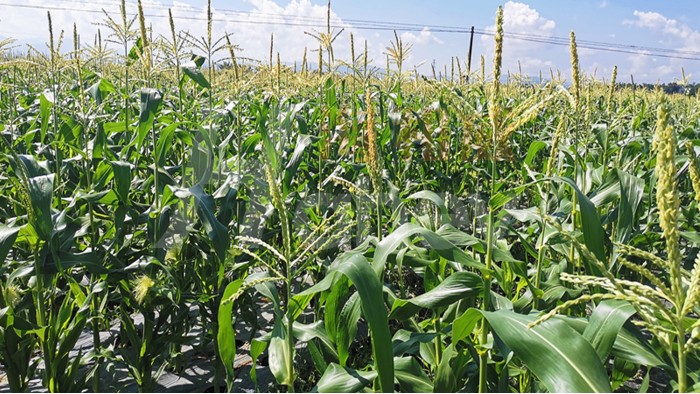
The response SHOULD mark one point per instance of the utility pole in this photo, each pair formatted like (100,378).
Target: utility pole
(469,54)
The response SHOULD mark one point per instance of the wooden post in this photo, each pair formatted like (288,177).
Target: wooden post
(469,54)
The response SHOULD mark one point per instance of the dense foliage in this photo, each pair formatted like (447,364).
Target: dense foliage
(405,233)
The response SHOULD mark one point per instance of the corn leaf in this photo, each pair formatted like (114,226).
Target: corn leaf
(593,233)
(605,322)
(442,246)
(411,376)
(631,194)
(193,70)
(7,239)
(280,357)
(337,379)
(41,196)
(150,101)
(347,327)
(629,344)
(217,232)
(226,336)
(455,287)
(360,273)
(558,355)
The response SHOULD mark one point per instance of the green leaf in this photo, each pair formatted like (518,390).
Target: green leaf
(445,379)
(535,147)
(531,214)
(164,144)
(88,260)
(464,325)
(33,167)
(217,232)
(316,330)
(279,360)
(337,295)
(193,70)
(442,246)
(100,89)
(502,198)
(202,159)
(198,60)
(135,51)
(606,194)
(41,196)
(455,287)
(72,329)
(605,322)
(317,357)
(270,150)
(256,349)
(631,194)
(77,291)
(150,101)
(337,379)
(622,371)
(95,92)
(122,179)
(303,141)
(644,387)
(347,327)
(46,102)
(248,145)
(7,239)
(113,127)
(411,376)
(435,199)
(630,343)
(407,342)
(226,336)
(559,356)
(593,233)
(269,290)
(360,273)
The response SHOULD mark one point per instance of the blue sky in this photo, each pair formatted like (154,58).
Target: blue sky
(667,25)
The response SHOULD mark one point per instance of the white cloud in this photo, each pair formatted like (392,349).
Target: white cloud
(253,35)
(665,70)
(531,63)
(603,4)
(649,69)
(639,63)
(674,34)
(652,20)
(422,49)
(31,25)
(424,37)
(251,31)
(689,38)
(520,18)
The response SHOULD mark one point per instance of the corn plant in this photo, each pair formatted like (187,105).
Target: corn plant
(446,232)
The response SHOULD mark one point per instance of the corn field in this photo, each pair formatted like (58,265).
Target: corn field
(463,233)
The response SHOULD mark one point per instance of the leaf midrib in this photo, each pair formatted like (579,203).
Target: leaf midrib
(583,376)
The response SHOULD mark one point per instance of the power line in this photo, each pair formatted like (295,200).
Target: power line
(243,21)
(391,25)
(361,24)
(565,41)
(593,47)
